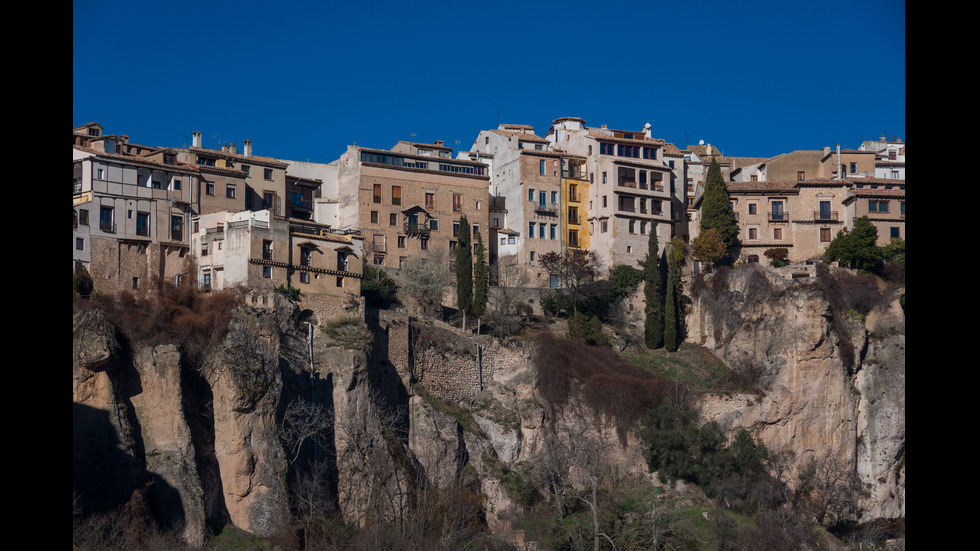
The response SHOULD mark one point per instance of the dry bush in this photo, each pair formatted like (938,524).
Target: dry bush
(608,384)
(181,315)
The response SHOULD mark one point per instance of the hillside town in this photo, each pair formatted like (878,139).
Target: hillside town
(257,221)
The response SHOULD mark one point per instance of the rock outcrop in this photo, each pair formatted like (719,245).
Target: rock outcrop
(832,380)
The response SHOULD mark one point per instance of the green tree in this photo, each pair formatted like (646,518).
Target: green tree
(709,247)
(653,328)
(464,269)
(716,207)
(481,282)
(672,300)
(82,281)
(857,248)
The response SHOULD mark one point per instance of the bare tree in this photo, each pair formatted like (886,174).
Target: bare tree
(424,280)
(577,271)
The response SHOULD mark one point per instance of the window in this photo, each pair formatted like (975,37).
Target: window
(603,226)
(79,244)
(479,205)
(542,198)
(854,168)
(230,191)
(754,178)
(434,224)
(496,223)
(100,173)
(378,260)
(206,281)
(604,202)
(554,197)
(136,282)
(753,233)
(266,249)
(267,174)
(901,207)
(245,169)
(106,220)
(554,231)
(304,277)
(430,200)
(801,175)
(396,195)
(530,229)
(157,184)
(457,202)
(604,177)
(267,272)
(553,281)
(825,235)
(392,219)
(530,194)
(209,188)
(752,208)
(83,215)
(532,256)
(777,233)
(401,241)
(632,226)
(511,240)
(476,229)
(424,243)
(305,257)
(204,249)
(541,167)
(377,193)
(177,184)
(455,229)
(143,223)
(374,217)
(541,230)
(777,211)
(883,206)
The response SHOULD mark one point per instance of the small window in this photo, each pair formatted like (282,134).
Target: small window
(532,256)
(209,188)
(374,217)
(825,235)
(304,277)
(801,175)
(457,202)
(777,233)
(79,244)
(396,195)
(530,194)
(752,208)
(401,241)
(541,168)
(177,184)
(554,197)
(267,272)
(392,219)
(753,234)
(267,174)
(83,215)
(377,193)
(424,243)
(230,191)
(434,224)
(894,232)
(854,168)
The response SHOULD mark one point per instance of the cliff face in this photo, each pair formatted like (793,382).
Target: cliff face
(832,380)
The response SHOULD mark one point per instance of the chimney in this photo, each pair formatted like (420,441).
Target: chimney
(438,142)
(647,130)
(125,138)
(233,148)
(224,148)
(602,127)
(196,139)
(248,148)
(898,139)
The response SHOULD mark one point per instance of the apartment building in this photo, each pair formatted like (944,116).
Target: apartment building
(408,200)
(629,187)
(260,250)
(130,211)
(882,200)
(264,177)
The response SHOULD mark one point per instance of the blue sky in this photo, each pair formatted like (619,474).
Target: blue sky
(304,80)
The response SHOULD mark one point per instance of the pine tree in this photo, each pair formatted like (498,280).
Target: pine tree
(464,269)
(653,329)
(481,282)
(716,206)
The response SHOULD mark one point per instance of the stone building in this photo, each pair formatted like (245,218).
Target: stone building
(131,207)
(407,201)
(260,250)
(883,202)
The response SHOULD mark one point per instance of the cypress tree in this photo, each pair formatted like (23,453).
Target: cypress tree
(464,269)
(653,329)
(481,281)
(672,313)
(716,206)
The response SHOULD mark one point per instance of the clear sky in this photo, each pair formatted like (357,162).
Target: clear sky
(303,80)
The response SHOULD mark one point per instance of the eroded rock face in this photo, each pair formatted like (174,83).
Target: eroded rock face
(827,395)
(167,445)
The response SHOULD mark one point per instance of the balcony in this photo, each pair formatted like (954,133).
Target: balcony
(107,227)
(575,174)
(546,210)
(627,183)
(779,216)
(302,204)
(825,216)
(266,254)
(416,229)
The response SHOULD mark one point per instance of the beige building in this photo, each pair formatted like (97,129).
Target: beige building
(407,201)
(629,187)
(259,250)
(130,214)
(882,200)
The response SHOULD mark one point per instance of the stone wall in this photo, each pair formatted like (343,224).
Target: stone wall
(456,375)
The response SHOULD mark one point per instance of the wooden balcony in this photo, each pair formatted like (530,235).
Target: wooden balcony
(416,229)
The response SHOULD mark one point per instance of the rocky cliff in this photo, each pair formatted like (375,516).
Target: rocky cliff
(827,354)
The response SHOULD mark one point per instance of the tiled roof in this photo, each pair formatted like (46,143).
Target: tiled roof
(141,161)
(609,135)
(251,160)
(879,192)
(517,127)
(523,136)
(426,145)
(673,150)
(762,187)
